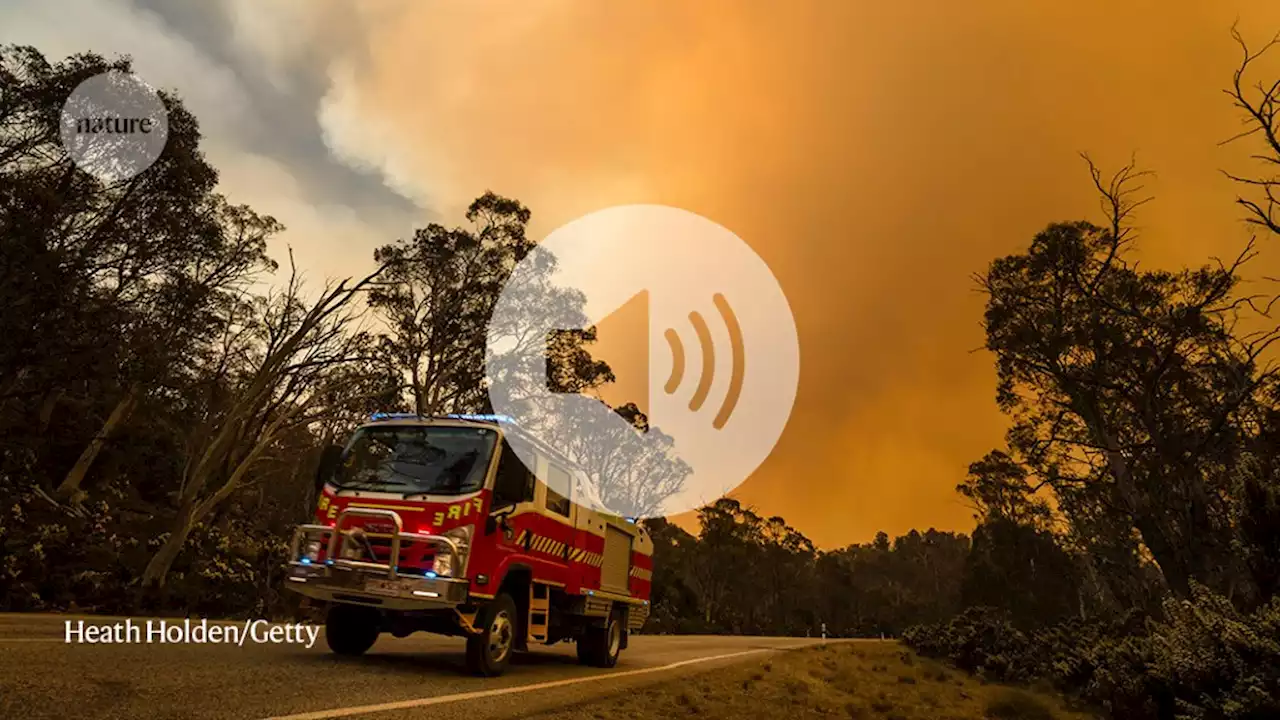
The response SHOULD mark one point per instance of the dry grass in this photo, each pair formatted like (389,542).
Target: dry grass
(844,680)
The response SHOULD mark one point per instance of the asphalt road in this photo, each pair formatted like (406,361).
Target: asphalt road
(422,676)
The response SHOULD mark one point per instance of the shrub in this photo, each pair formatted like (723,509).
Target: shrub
(981,640)
(1205,660)
(1218,662)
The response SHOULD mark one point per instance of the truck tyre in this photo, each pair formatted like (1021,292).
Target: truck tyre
(351,629)
(489,651)
(600,647)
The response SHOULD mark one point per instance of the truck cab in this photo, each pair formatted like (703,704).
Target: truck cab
(436,524)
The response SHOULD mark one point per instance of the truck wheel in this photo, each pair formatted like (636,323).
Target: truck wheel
(489,652)
(351,629)
(599,647)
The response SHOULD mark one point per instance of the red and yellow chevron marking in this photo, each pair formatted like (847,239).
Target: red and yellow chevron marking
(543,544)
(641,573)
(586,558)
(547,545)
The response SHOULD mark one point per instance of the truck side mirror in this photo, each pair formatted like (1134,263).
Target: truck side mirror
(330,458)
(497,519)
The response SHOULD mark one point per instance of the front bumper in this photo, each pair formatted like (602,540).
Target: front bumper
(336,579)
(335,583)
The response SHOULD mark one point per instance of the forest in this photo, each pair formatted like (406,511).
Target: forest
(163,406)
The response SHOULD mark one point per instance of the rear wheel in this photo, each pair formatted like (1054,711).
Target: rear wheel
(350,629)
(600,647)
(489,651)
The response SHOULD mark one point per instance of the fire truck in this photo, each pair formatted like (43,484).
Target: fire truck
(436,524)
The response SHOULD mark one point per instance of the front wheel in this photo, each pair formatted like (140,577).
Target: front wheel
(489,651)
(600,647)
(350,629)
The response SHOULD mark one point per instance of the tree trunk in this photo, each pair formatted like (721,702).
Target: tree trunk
(158,568)
(419,404)
(1164,548)
(1172,566)
(193,510)
(119,416)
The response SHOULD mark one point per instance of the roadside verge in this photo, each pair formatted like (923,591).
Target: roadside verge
(852,680)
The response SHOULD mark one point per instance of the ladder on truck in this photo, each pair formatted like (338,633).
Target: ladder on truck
(539,611)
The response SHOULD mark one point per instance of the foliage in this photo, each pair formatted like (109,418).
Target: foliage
(1205,660)
(1022,570)
(1217,661)
(743,573)
(1128,390)
(980,640)
(437,297)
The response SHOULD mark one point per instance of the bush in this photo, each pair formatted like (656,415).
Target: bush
(1218,662)
(1205,660)
(982,641)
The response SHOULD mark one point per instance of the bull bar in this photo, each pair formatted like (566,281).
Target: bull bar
(372,583)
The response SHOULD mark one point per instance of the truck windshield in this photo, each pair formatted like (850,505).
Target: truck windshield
(416,460)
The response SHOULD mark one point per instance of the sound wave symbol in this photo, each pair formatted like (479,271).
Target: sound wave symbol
(738,358)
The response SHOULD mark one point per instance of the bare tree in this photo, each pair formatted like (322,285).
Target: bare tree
(1260,105)
(278,368)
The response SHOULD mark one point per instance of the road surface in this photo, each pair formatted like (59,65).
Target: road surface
(422,676)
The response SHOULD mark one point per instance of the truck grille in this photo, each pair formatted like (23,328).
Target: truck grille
(412,555)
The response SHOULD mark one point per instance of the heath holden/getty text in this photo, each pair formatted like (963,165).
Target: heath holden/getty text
(201,631)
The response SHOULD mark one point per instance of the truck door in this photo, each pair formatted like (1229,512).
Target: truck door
(513,494)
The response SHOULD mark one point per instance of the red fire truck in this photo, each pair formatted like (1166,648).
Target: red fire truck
(435,524)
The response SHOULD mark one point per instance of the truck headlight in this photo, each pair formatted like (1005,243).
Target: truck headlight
(312,551)
(443,565)
(461,536)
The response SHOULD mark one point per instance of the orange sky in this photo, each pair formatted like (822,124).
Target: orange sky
(876,155)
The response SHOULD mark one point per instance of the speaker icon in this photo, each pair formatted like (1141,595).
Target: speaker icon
(706,377)
(711,422)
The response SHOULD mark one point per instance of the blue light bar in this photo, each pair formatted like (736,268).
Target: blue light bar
(393,416)
(481,417)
